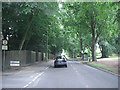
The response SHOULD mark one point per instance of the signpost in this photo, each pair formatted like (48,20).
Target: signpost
(4,47)
(5,42)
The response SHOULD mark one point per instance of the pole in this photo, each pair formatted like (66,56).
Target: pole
(3,60)
(47,44)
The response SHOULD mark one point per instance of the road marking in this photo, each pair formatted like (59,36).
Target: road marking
(75,69)
(38,75)
(90,67)
(46,68)
(34,79)
(34,75)
(36,82)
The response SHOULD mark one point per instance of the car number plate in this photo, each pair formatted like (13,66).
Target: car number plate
(59,60)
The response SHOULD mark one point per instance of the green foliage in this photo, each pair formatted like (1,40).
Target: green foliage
(79,18)
(44,34)
(46,59)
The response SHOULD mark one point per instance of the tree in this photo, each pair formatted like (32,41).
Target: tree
(97,18)
(75,27)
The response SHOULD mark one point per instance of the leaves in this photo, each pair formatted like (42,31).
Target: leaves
(45,31)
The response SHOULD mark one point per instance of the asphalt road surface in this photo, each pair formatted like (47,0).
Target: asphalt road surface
(76,75)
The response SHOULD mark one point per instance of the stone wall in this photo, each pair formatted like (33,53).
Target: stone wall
(33,56)
(51,56)
(24,56)
(39,56)
(28,57)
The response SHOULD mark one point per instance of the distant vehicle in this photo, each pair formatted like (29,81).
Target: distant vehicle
(60,61)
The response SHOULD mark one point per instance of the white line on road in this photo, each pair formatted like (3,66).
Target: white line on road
(36,82)
(34,75)
(34,79)
(38,75)
(75,69)
(46,68)
(90,67)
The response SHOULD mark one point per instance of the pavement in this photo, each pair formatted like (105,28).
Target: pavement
(108,59)
(44,75)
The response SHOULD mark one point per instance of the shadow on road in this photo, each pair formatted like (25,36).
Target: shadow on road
(57,67)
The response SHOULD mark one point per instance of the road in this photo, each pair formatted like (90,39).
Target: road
(76,75)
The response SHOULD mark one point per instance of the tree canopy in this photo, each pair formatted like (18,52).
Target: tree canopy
(53,26)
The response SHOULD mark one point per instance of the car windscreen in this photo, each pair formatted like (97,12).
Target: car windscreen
(59,57)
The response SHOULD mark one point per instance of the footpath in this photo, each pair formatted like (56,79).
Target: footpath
(110,65)
(27,69)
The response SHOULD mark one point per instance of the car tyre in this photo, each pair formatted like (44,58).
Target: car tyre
(66,66)
(55,66)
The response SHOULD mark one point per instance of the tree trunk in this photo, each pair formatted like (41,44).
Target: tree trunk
(26,31)
(25,34)
(93,39)
(93,52)
(81,45)
(93,43)
(104,53)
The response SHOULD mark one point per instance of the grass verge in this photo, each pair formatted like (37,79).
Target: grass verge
(100,66)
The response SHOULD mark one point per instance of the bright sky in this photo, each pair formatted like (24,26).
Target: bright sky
(9,27)
(63,53)
(60,5)
(61,26)
(98,49)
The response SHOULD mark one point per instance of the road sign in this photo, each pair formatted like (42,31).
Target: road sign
(14,63)
(4,47)
(4,42)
